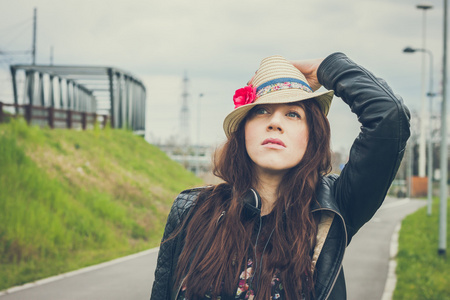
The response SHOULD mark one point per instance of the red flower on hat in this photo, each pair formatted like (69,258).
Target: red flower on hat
(244,96)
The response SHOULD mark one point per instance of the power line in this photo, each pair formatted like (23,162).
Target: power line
(18,52)
(18,24)
(8,59)
(15,38)
(12,36)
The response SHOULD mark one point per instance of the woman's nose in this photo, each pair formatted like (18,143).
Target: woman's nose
(275,123)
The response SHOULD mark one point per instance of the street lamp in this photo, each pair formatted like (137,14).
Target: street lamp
(430,94)
(424,6)
(422,137)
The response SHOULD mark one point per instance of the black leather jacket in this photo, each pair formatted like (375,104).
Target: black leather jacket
(353,197)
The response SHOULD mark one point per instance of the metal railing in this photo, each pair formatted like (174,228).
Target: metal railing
(53,117)
(92,89)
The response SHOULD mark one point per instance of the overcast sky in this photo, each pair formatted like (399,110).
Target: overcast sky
(219,45)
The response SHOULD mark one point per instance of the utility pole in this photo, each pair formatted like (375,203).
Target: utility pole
(197,148)
(33,51)
(184,115)
(444,157)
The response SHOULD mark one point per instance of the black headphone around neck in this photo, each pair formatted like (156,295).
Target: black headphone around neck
(252,204)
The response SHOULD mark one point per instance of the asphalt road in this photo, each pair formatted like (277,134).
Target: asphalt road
(129,278)
(365,264)
(366,259)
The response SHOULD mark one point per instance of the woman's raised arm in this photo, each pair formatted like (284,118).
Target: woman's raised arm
(377,151)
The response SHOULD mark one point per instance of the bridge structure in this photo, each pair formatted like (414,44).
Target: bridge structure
(97,90)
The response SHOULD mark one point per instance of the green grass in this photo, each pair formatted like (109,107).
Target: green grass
(70,198)
(421,272)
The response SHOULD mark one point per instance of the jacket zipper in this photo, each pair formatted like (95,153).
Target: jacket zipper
(346,238)
(179,289)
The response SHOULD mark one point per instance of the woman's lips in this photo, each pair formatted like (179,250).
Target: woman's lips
(274,142)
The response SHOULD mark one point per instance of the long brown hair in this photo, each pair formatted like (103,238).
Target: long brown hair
(217,248)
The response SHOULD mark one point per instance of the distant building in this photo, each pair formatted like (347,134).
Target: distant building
(197,159)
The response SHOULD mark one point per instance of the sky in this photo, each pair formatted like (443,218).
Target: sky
(218,45)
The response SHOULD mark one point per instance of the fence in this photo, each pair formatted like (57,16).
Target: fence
(53,117)
(92,89)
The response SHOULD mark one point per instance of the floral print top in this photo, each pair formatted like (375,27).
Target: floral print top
(245,288)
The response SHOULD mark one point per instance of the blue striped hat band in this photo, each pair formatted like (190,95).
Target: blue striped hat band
(282,84)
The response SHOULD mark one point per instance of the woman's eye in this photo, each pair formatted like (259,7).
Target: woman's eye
(293,114)
(261,111)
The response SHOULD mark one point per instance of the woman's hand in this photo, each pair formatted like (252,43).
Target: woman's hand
(309,69)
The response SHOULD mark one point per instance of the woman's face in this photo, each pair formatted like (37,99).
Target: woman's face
(276,137)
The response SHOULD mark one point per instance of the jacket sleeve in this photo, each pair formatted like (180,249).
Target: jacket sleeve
(167,258)
(377,151)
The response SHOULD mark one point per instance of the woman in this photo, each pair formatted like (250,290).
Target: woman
(278,226)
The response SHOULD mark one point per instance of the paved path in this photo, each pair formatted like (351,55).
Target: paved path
(365,264)
(128,278)
(366,260)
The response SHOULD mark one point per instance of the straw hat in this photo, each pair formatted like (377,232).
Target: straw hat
(276,81)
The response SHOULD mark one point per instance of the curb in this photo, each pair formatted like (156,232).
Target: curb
(76,272)
(391,280)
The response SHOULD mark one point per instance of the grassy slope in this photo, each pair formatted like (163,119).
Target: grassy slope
(421,272)
(70,199)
